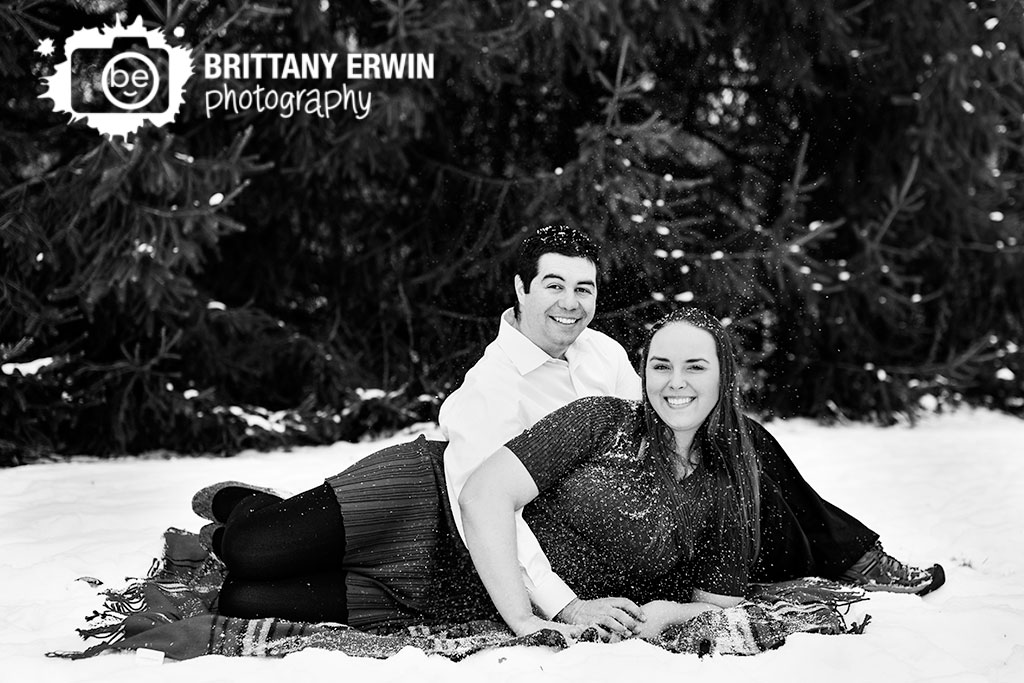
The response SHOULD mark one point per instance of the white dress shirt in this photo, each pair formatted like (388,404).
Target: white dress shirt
(512,387)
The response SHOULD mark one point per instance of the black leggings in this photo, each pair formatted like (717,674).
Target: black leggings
(284,558)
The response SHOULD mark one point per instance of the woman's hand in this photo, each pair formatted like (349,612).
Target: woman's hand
(616,618)
(664,613)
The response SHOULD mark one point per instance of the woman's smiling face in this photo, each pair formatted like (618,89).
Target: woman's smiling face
(683,377)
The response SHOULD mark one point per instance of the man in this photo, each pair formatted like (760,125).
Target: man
(544,357)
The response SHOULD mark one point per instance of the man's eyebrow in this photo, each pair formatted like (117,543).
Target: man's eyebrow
(555,276)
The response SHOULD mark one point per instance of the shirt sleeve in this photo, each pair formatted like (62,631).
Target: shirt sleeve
(627,382)
(476,426)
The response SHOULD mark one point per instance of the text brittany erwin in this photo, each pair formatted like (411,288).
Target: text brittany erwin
(231,68)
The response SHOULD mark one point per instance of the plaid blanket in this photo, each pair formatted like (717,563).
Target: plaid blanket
(172,611)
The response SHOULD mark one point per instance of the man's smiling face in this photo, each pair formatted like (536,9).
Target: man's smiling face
(560,302)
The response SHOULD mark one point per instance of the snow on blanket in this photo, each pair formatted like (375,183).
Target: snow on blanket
(950,490)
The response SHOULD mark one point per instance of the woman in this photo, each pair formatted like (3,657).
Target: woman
(655,501)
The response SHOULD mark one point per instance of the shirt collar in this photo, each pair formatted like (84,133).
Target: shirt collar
(525,355)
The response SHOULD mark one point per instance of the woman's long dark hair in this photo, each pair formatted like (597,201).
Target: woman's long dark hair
(726,449)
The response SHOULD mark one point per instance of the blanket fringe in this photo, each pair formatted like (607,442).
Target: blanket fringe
(108,632)
(108,624)
(858,629)
(130,600)
(808,590)
(179,562)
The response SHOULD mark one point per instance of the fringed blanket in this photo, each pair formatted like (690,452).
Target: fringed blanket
(172,611)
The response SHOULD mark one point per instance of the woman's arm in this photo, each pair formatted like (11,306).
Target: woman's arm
(489,500)
(719,601)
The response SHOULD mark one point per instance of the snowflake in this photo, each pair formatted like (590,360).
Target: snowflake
(45,47)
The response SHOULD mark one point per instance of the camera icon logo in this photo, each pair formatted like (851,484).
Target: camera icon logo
(118,79)
(124,77)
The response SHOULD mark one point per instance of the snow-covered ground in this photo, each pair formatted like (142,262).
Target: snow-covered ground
(950,490)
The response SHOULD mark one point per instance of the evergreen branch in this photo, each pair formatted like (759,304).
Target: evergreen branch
(454,315)
(19,16)
(956,366)
(178,15)
(612,108)
(982,247)
(755,159)
(857,9)
(901,202)
(909,252)
(194,212)
(506,35)
(492,181)
(243,8)
(940,330)
(824,229)
(12,351)
(794,191)
(627,311)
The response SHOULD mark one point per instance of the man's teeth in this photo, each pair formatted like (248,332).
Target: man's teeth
(564,321)
(679,402)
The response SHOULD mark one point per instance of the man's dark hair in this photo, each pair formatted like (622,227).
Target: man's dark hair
(551,239)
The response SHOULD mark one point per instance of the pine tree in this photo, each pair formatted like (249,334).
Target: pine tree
(839,180)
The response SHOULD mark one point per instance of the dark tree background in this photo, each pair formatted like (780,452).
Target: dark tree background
(840,179)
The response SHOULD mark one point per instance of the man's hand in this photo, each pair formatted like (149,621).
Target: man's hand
(617,618)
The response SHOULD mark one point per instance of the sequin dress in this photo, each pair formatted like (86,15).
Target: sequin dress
(606,518)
